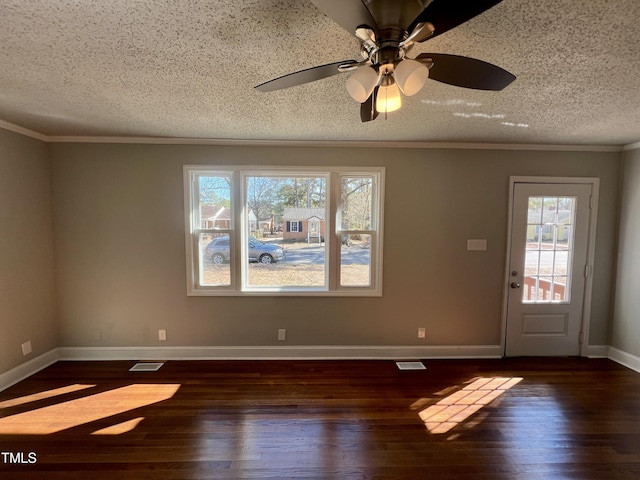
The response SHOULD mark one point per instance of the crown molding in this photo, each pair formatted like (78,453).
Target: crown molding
(314,143)
(23,131)
(631,146)
(335,143)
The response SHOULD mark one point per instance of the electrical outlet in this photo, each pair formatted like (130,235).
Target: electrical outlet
(162,335)
(422,332)
(282,334)
(26,348)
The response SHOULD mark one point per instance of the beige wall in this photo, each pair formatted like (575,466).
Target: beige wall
(27,293)
(119,232)
(625,329)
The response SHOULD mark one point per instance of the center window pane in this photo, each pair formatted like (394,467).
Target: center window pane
(286,218)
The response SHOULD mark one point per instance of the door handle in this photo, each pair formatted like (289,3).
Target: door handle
(515,285)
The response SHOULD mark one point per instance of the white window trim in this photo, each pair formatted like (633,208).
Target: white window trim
(239,267)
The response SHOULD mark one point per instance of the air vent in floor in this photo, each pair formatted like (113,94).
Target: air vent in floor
(411,366)
(146,367)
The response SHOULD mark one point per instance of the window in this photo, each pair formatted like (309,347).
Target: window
(302,231)
(549,249)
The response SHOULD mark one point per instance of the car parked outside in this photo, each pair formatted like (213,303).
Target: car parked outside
(218,251)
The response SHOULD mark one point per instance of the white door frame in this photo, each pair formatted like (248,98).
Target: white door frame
(591,243)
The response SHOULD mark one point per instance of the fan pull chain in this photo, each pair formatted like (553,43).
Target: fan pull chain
(386,110)
(386,103)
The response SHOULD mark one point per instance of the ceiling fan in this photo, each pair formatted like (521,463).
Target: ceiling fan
(387,30)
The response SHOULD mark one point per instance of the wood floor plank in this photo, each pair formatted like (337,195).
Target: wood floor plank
(529,418)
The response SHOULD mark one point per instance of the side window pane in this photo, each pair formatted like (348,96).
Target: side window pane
(215,226)
(357,201)
(215,202)
(357,232)
(355,260)
(215,260)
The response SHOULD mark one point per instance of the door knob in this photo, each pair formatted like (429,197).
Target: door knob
(515,285)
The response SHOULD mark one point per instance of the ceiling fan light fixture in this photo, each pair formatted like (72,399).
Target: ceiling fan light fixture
(361,83)
(388,98)
(410,75)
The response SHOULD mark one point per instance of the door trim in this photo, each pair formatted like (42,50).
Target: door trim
(591,243)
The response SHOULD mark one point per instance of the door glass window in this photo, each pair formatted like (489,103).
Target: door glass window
(549,249)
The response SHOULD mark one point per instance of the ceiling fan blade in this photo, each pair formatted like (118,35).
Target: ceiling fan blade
(349,14)
(303,76)
(466,72)
(368,110)
(447,14)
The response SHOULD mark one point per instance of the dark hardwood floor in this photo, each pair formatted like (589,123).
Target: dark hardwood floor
(541,418)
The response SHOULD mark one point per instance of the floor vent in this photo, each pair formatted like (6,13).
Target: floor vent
(411,366)
(146,367)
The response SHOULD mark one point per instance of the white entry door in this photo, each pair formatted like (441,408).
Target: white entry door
(547,268)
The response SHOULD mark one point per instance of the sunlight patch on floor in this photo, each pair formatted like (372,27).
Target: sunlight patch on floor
(459,406)
(43,395)
(119,428)
(73,413)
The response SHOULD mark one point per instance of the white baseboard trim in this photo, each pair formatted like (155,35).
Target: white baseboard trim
(279,353)
(597,351)
(27,369)
(624,358)
(328,352)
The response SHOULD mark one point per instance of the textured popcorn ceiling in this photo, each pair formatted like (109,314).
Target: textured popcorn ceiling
(187,68)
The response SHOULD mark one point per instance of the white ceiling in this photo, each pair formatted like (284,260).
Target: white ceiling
(187,68)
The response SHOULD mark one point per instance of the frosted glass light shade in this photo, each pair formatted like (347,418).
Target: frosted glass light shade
(388,99)
(410,75)
(361,83)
